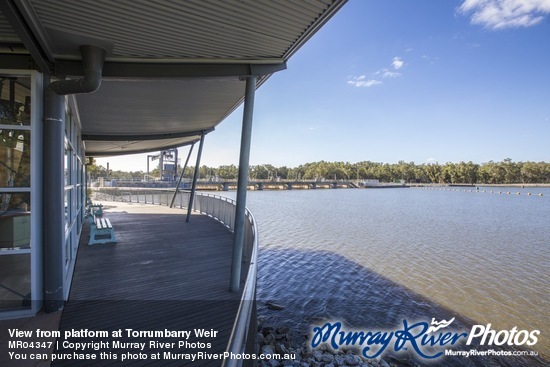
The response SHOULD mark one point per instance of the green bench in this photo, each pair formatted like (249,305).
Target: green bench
(93,210)
(101,231)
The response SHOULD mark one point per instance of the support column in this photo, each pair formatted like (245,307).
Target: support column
(246,137)
(53,196)
(195,178)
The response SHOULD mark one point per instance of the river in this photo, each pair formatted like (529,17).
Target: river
(373,257)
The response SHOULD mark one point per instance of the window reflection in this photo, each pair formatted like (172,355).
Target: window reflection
(67,165)
(15,101)
(67,208)
(15,220)
(15,158)
(15,205)
(15,281)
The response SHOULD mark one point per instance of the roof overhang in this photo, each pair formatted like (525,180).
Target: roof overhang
(173,70)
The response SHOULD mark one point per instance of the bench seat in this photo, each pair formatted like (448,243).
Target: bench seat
(102,231)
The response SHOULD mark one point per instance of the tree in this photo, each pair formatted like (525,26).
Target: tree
(259,172)
(230,172)
(433,172)
(490,172)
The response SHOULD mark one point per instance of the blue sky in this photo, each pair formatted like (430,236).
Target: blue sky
(423,81)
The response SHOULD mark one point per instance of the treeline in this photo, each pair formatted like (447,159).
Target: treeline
(505,172)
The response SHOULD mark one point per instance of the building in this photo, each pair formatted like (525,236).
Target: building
(85,78)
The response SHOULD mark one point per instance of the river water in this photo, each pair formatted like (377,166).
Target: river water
(373,257)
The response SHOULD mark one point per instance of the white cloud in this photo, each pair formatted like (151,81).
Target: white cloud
(385,73)
(361,81)
(430,59)
(390,74)
(397,63)
(500,14)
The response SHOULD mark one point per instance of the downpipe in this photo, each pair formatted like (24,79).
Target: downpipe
(93,58)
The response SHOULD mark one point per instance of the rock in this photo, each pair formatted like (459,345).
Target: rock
(317,355)
(268,349)
(352,360)
(281,348)
(384,363)
(269,339)
(339,360)
(327,358)
(273,363)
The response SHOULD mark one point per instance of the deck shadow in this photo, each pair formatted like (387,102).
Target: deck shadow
(314,287)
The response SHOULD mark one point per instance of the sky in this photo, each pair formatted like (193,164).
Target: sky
(423,81)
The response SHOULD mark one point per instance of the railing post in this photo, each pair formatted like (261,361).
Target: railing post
(181,175)
(195,178)
(246,137)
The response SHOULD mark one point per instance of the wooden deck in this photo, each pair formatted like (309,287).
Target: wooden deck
(163,274)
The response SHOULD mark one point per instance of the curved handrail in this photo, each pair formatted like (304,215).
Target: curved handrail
(240,332)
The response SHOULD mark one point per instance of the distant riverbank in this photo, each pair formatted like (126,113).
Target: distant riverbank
(522,185)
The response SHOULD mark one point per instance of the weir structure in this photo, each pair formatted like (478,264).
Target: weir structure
(94,79)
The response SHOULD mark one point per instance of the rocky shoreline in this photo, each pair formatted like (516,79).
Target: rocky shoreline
(278,340)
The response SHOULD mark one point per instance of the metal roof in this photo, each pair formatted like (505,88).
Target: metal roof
(173,68)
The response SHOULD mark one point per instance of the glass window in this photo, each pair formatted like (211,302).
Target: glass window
(15,275)
(67,208)
(15,100)
(67,124)
(74,172)
(15,220)
(15,158)
(15,193)
(68,164)
(68,250)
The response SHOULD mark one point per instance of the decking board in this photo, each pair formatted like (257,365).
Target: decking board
(163,273)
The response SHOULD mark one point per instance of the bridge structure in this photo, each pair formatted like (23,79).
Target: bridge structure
(226,185)
(231,184)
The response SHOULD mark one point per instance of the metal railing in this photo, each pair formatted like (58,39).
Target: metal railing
(243,335)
